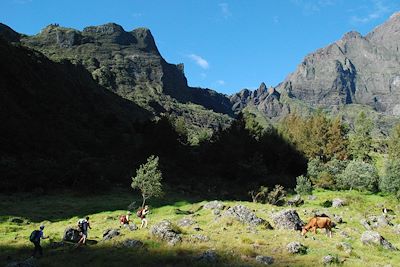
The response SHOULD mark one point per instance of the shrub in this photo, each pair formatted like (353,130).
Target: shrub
(358,175)
(390,182)
(277,196)
(260,195)
(303,186)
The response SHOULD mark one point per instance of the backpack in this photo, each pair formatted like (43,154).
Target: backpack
(123,219)
(139,213)
(34,236)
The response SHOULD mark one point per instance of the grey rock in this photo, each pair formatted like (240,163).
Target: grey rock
(243,214)
(346,247)
(131,227)
(337,202)
(296,248)
(216,212)
(396,229)
(209,256)
(199,238)
(165,231)
(72,235)
(374,238)
(186,222)
(365,223)
(214,205)
(312,197)
(296,201)
(110,234)
(287,219)
(337,218)
(266,260)
(16,220)
(132,243)
(330,259)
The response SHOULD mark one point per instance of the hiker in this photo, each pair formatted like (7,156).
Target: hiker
(35,237)
(142,215)
(83,225)
(124,219)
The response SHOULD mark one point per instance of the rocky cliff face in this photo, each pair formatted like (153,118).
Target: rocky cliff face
(129,64)
(356,69)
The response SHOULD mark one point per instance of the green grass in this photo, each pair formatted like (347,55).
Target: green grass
(236,244)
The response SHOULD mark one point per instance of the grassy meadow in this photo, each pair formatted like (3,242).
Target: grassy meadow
(235,243)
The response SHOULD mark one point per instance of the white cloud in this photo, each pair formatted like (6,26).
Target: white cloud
(379,9)
(226,13)
(221,82)
(312,6)
(199,61)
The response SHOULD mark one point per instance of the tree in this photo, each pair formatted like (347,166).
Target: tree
(148,179)
(358,175)
(394,143)
(390,182)
(361,139)
(303,186)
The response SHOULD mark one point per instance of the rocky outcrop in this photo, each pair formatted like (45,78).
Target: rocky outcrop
(296,248)
(214,205)
(110,234)
(374,238)
(72,235)
(265,260)
(244,215)
(287,219)
(166,231)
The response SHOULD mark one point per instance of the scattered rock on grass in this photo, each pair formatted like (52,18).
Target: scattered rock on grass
(216,212)
(337,202)
(296,201)
(166,231)
(132,243)
(110,234)
(266,260)
(199,238)
(208,256)
(16,220)
(396,229)
(337,218)
(72,235)
(287,219)
(312,197)
(346,247)
(374,238)
(244,215)
(330,259)
(186,222)
(296,248)
(214,205)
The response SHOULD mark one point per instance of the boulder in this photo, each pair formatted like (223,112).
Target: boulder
(132,243)
(215,205)
(72,235)
(186,222)
(374,238)
(330,259)
(244,215)
(287,219)
(16,220)
(296,248)
(337,218)
(312,197)
(216,212)
(337,202)
(365,223)
(346,247)
(266,260)
(208,256)
(296,201)
(131,227)
(165,231)
(396,229)
(199,238)
(110,234)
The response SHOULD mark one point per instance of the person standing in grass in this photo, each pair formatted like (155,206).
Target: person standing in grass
(124,219)
(35,237)
(142,215)
(83,225)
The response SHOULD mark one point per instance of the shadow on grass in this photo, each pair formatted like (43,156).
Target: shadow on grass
(59,207)
(112,254)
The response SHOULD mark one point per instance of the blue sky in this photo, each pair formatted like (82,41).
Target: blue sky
(225,45)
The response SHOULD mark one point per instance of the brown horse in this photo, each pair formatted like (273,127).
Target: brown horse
(318,222)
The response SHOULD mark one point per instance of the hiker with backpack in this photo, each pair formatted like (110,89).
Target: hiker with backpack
(35,237)
(142,215)
(124,219)
(83,225)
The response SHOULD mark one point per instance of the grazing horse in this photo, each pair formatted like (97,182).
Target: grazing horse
(318,222)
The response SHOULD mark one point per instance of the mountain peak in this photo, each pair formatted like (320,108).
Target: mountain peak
(351,35)
(108,28)
(9,34)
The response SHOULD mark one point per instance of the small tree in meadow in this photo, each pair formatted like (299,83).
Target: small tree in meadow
(390,182)
(358,175)
(303,186)
(148,179)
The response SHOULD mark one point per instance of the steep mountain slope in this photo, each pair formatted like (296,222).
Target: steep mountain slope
(129,64)
(356,69)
